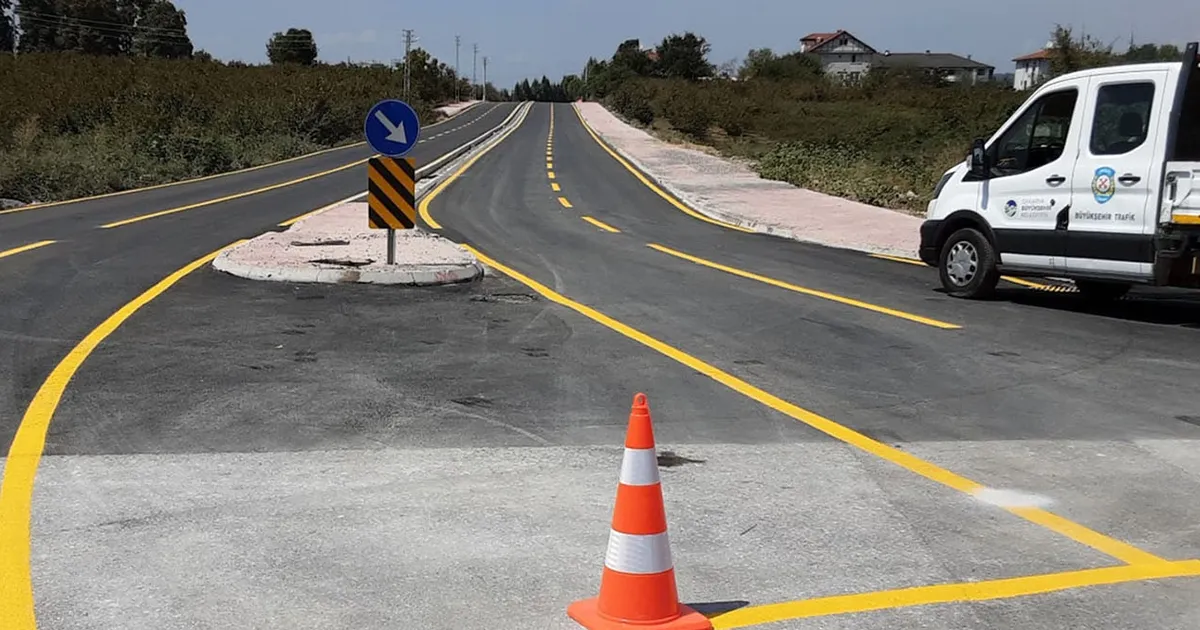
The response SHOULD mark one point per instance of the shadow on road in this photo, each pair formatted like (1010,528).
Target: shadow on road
(1152,306)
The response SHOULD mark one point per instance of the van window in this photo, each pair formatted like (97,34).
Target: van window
(1122,117)
(1037,138)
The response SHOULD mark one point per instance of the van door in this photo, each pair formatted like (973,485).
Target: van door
(1110,229)
(1030,180)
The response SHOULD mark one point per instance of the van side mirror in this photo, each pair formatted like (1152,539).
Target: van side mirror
(979,165)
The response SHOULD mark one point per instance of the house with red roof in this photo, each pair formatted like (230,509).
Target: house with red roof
(846,57)
(1032,69)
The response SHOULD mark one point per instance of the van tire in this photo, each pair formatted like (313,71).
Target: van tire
(967,265)
(1096,291)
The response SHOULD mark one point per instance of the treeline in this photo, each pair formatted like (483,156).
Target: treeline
(106,95)
(884,140)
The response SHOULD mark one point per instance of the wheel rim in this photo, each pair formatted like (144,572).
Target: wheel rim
(962,263)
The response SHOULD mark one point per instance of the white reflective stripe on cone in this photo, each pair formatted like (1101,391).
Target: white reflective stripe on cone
(639,467)
(639,554)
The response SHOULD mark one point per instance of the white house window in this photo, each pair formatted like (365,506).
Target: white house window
(853,58)
(844,41)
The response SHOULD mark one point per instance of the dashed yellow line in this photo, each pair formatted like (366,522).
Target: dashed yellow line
(24,248)
(564,202)
(555,187)
(549,165)
(806,291)
(651,185)
(550,174)
(600,224)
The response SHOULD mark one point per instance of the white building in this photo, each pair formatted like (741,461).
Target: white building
(1032,69)
(844,56)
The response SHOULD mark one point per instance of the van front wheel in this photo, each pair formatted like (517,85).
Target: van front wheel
(967,265)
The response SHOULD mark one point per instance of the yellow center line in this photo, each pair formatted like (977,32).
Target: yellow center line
(550,174)
(24,248)
(20,468)
(983,590)
(564,202)
(423,206)
(555,187)
(163,213)
(651,185)
(1120,550)
(799,289)
(549,165)
(600,224)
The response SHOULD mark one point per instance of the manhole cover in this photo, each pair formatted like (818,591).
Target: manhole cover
(319,243)
(508,298)
(343,262)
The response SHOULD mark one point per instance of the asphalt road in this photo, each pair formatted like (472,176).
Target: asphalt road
(361,457)
(55,294)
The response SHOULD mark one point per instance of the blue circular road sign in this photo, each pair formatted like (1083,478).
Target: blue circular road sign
(392,128)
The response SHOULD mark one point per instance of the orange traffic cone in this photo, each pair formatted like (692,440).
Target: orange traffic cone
(637,588)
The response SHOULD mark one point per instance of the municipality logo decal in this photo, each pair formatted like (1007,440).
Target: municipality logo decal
(1010,208)
(1104,184)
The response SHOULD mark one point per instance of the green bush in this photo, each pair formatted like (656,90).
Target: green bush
(632,100)
(74,125)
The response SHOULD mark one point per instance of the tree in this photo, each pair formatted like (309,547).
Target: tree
(41,23)
(684,57)
(8,30)
(1069,54)
(161,31)
(204,56)
(764,64)
(295,46)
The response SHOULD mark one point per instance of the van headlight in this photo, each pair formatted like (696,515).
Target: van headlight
(937,191)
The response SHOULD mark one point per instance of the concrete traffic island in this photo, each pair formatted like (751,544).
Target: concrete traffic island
(335,246)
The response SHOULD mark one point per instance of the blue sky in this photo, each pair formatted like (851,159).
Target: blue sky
(528,38)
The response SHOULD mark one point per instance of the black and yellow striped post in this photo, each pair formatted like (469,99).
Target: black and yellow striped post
(391,197)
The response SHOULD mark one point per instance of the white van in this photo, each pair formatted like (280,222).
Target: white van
(1096,178)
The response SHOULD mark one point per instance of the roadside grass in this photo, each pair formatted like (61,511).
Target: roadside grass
(886,142)
(75,125)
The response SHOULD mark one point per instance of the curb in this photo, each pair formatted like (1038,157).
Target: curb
(410,275)
(720,215)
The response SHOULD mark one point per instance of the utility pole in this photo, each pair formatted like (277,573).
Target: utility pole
(408,42)
(485,78)
(457,41)
(474,66)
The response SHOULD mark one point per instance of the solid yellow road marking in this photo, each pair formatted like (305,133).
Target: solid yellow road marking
(1024,283)
(162,213)
(423,207)
(16,488)
(564,202)
(799,289)
(899,259)
(217,175)
(951,593)
(1115,548)
(555,187)
(651,185)
(179,183)
(1122,551)
(602,225)
(24,248)
(550,174)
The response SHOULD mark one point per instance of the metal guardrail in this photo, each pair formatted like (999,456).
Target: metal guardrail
(429,169)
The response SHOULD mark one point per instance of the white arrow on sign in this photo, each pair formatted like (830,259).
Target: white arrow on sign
(395,132)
